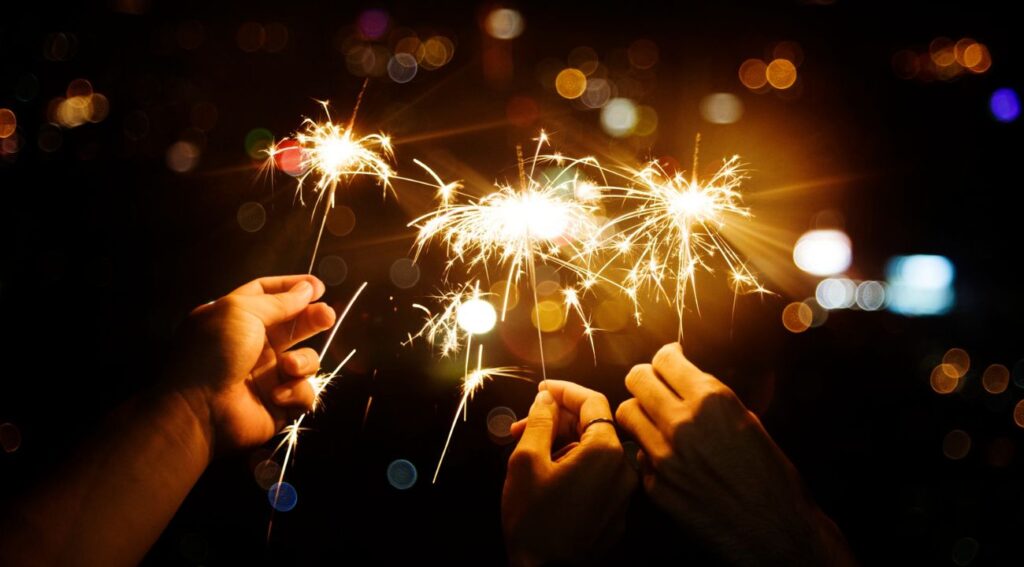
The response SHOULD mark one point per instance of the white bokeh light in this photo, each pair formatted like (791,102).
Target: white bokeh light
(823,252)
(477,316)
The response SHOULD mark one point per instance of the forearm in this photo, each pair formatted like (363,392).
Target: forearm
(113,500)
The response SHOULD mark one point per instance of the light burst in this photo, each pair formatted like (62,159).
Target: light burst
(673,229)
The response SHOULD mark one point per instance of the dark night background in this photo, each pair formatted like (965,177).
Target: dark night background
(105,249)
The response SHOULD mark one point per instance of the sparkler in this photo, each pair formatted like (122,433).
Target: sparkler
(331,153)
(472,382)
(675,228)
(517,228)
(319,382)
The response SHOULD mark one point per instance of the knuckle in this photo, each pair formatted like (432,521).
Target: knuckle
(636,373)
(624,412)
(522,460)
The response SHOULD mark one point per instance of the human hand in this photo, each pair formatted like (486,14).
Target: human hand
(710,464)
(571,505)
(232,363)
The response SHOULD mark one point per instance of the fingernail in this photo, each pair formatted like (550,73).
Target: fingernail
(282,395)
(544,397)
(304,288)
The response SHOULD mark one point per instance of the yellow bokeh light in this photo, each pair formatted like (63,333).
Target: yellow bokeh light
(499,289)
(956,444)
(548,316)
(958,360)
(477,316)
(612,315)
(753,74)
(995,379)
(797,317)
(976,58)
(1018,414)
(571,83)
(944,379)
(781,73)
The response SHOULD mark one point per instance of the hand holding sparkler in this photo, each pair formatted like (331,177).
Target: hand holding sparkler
(571,505)
(711,465)
(241,379)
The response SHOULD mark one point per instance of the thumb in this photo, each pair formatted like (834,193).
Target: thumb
(541,425)
(279,307)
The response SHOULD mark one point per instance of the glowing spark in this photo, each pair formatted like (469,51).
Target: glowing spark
(542,221)
(331,153)
(319,383)
(472,382)
(675,228)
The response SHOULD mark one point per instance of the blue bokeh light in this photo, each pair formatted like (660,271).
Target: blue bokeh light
(920,285)
(282,496)
(1005,105)
(402,474)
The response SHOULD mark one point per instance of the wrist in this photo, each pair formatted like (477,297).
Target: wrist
(196,425)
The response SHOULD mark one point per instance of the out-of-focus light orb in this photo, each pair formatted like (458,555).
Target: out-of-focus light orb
(402,474)
(643,54)
(504,23)
(956,444)
(277,37)
(943,379)
(266,473)
(332,270)
(10,437)
(619,117)
(250,37)
(251,216)
(282,496)
(585,59)
(182,157)
(499,424)
(598,93)
(612,315)
(373,24)
(438,50)
(797,317)
(781,73)
(958,360)
(823,252)
(404,273)
(920,285)
(571,83)
(819,315)
(833,293)
(341,220)
(646,121)
(965,550)
(1005,105)
(257,142)
(288,158)
(548,316)
(8,122)
(1018,414)
(995,379)
(871,295)
(500,287)
(402,67)
(721,108)
(977,58)
(476,316)
(754,74)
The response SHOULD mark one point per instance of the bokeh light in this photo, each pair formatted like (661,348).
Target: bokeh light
(476,316)
(754,74)
(956,444)
(251,216)
(402,474)
(571,83)
(920,285)
(871,295)
(598,93)
(404,273)
(944,379)
(182,157)
(282,496)
(1005,105)
(548,316)
(266,473)
(1018,414)
(504,23)
(619,117)
(612,315)
(332,270)
(499,424)
(643,54)
(995,379)
(797,317)
(10,437)
(257,142)
(498,289)
(373,24)
(823,252)
(836,293)
(721,108)
(8,122)
(402,67)
(341,220)
(965,550)
(958,361)
(781,73)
